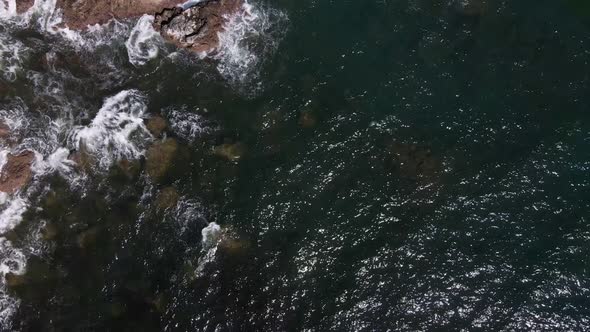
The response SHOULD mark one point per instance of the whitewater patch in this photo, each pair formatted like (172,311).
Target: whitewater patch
(188,125)
(250,36)
(12,260)
(144,42)
(117,132)
(11,57)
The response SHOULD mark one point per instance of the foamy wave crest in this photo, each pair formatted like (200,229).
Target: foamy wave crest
(117,131)
(248,38)
(144,42)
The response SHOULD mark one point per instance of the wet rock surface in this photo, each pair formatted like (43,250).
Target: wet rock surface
(78,14)
(197,27)
(23,5)
(4,130)
(16,173)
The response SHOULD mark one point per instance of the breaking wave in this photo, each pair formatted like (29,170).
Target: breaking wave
(250,36)
(117,131)
(144,42)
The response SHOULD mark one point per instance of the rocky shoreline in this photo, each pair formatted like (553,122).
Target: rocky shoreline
(191,25)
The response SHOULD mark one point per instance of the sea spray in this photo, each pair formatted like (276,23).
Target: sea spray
(144,42)
(249,37)
(117,131)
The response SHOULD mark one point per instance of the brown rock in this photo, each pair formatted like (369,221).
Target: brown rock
(159,158)
(197,27)
(88,238)
(23,5)
(16,173)
(83,159)
(78,14)
(4,130)
(129,168)
(156,125)
(167,198)
(231,152)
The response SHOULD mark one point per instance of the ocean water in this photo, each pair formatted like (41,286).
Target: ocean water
(405,165)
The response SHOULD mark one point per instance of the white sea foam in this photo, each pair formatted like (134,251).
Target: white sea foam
(188,125)
(144,42)
(12,211)
(210,235)
(11,261)
(117,131)
(7,8)
(249,37)
(11,57)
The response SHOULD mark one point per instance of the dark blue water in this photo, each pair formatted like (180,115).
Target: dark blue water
(405,166)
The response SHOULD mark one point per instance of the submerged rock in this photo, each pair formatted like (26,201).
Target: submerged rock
(4,130)
(156,125)
(87,238)
(167,198)
(129,168)
(159,158)
(307,119)
(232,152)
(17,172)
(13,280)
(411,160)
(83,159)
(49,232)
(197,27)
(471,7)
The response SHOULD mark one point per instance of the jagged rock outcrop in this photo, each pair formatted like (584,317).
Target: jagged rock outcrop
(197,27)
(78,14)
(16,173)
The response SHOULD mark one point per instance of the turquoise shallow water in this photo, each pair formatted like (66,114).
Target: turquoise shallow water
(405,165)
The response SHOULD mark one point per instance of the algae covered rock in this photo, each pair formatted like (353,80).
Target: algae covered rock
(160,158)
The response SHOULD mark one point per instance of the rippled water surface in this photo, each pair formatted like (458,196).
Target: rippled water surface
(403,165)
